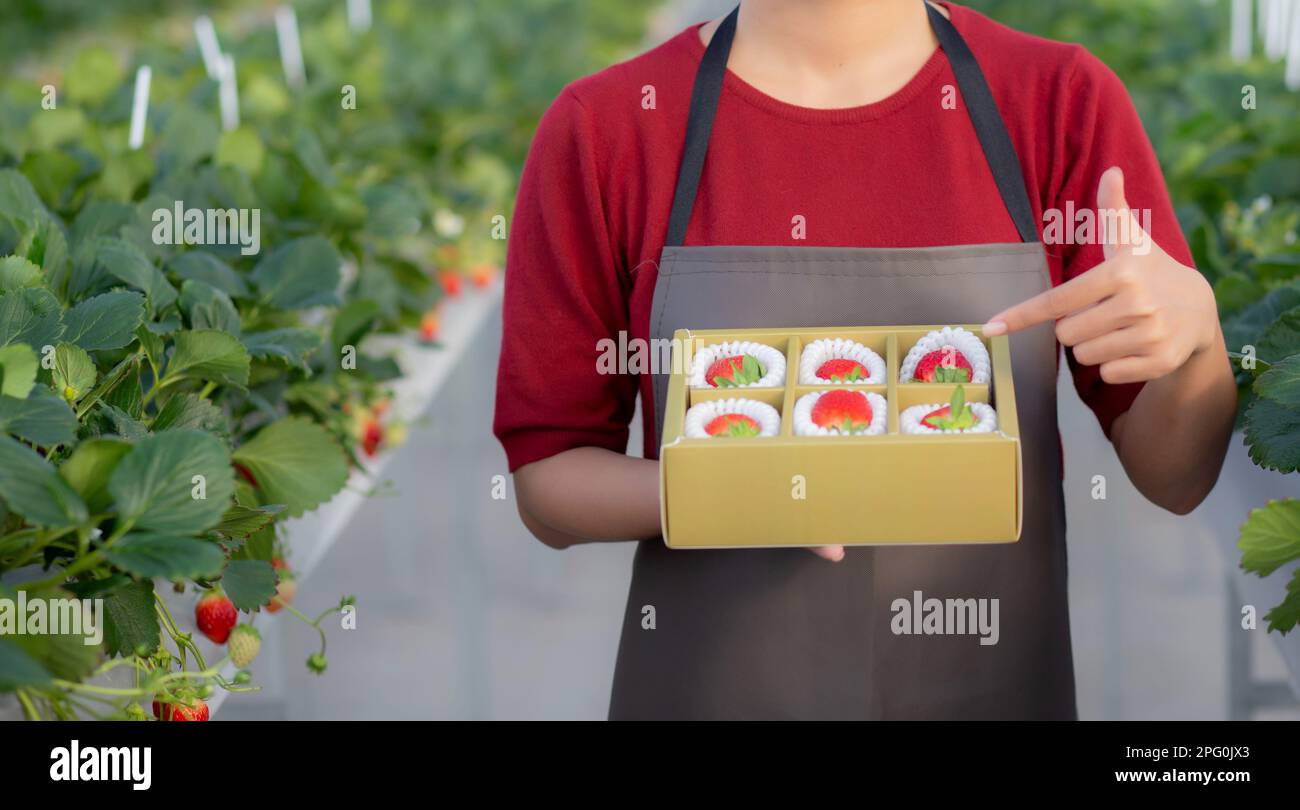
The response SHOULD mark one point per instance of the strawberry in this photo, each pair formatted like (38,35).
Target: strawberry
(732,425)
(843,411)
(285,590)
(944,418)
(372,436)
(732,372)
(245,642)
(841,369)
(450,281)
(943,365)
(215,615)
(429,327)
(194,710)
(482,276)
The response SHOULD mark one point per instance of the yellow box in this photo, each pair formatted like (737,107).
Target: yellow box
(890,489)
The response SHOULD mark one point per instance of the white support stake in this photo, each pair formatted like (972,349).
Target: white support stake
(140,107)
(1279,13)
(359,15)
(1242,33)
(206,33)
(286,31)
(1293,53)
(228,94)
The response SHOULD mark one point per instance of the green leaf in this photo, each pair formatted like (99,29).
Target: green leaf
(299,274)
(209,354)
(259,545)
(124,261)
(43,419)
(150,554)
(157,484)
(188,136)
(32,316)
(190,411)
(1246,327)
(352,322)
(197,265)
(1270,537)
(88,469)
(1284,617)
(74,372)
(1281,383)
(131,619)
(290,345)
(18,366)
(44,244)
(1282,338)
(296,462)
(53,171)
(17,273)
(241,147)
(18,669)
(19,202)
(241,521)
(101,218)
(1273,435)
(249,583)
(105,321)
(307,148)
(206,307)
(94,75)
(66,655)
(30,487)
(124,424)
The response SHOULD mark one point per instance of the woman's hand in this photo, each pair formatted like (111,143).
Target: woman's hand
(832,553)
(1143,317)
(1139,315)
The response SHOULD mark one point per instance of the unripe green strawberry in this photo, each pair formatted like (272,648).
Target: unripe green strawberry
(244,644)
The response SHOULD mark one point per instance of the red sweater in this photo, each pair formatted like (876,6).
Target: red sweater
(592,211)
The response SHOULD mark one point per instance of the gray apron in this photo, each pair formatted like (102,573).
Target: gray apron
(781,633)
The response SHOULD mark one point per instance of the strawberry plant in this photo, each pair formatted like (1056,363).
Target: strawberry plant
(165,406)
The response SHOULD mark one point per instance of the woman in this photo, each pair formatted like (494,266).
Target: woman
(839,162)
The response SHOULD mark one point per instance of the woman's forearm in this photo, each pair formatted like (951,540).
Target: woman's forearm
(1173,439)
(587,495)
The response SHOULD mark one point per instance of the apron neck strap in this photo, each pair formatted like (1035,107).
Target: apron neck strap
(980,106)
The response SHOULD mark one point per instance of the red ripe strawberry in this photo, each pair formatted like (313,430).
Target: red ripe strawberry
(429,327)
(279,564)
(450,280)
(943,419)
(842,369)
(732,372)
(846,411)
(943,365)
(734,425)
(195,711)
(482,275)
(372,437)
(724,368)
(216,616)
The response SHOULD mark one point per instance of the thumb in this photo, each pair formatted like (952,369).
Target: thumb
(1117,227)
